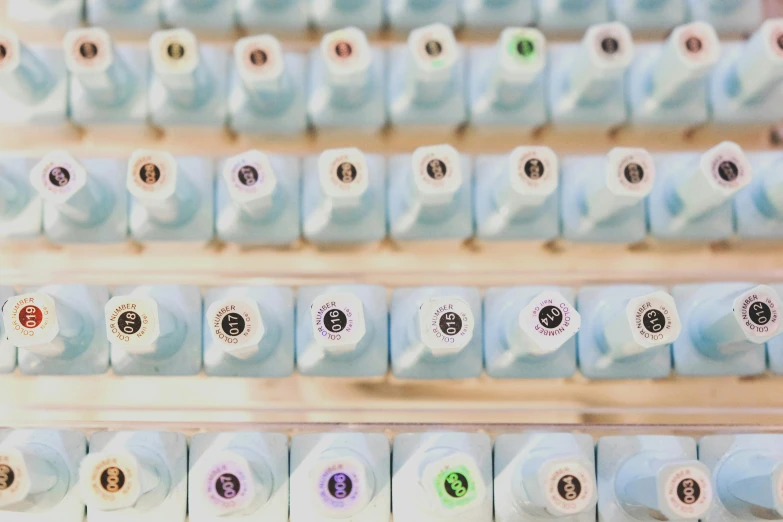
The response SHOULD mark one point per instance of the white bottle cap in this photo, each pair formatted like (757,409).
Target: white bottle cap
(647,321)
(115,480)
(230,484)
(629,178)
(338,322)
(259,60)
(343,484)
(133,322)
(437,174)
(58,177)
(604,54)
(31,323)
(236,326)
(10,51)
(23,474)
(152,175)
(88,50)
(760,63)
(347,56)
(174,52)
(532,174)
(343,176)
(445,325)
(545,324)
(251,180)
(757,312)
(434,51)
(562,486)
(452,482)
(523,52)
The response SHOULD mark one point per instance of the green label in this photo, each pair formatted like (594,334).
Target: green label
(455,487)
(523,47)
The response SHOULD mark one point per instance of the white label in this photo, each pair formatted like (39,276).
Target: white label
(341,487)
(549,320)
(88,49)
(259,57)
(228,486)
(111,481)
(174,50)
(30,319)
(433,47)
(346,50)
(235,323)
(688,492)
(152,174)
(58,176)
(654,319)
(630,172)
(569,488)
(534,170)
(446,324)
(338,322)
(759,313)
(343,173)
(437,171)
(250,177)
(132,320)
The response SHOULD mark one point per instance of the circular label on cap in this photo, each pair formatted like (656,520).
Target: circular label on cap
(760,314)
(343,173)
(450,323)
(654,321)
(339,486)
(131,321)
(88,51)
(149,173)
(7,477)
(634,174)
(433,48)
(257,57)
(523,47)
(112,480)
(338,320)
(455,487)
(610,45)
(235,322)
(343,49)
(60,176)
(550,317)
(250,177)
(3,51)
(226,485)
(331,320)
(688,492)
(31,316)
(260,56)
(175,50)
(695,46)
(534,169)
(569,488)
(435,170)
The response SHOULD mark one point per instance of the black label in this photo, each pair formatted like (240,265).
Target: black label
(176,50)
(526,47)
(433,48)
(534,169)
(610,45)
(248,175)
(450,323)
(149,173)
(780,42)
(228,486)
(436,169)
(688,491)
(258,57)
(346,172)
(728,171)
(634,173)
(550,316)
(456,485)
(760,313)
(335,320)
(112,479)
(129,322)
(569,487)
(233,324)
(59,176)
(3,51)
(340,485)
(693,44)
(7,477)
(88,50)
(343,49)
(654,320)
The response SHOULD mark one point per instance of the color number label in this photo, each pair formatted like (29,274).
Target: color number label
(112,479)
(7,477)
(30,316)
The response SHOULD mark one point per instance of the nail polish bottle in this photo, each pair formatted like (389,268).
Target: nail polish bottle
(84,201)
(725,328)
(729,16)
(651,478)
(132,15)
(33,89)
(667,83)
(249,331)
(240,476)
(212,15)
(172,199)
(54,14)
(7,348)
(329,15)
(603,198)
(442,476)
(108,82)
(276,16)
(570,16)
(496,14)
(344,197)
(430,195)
(267,89)
(758,208)
(649,15)
(57,329)
(587,79)
(135,475)
(39,470)
(747,86)
(530,332)
(775,345)
(21,211)
(516,195)
(339,476)
(748,475)
(346,82)
(506,81)
(189,85)
(342,331)
(544,476)
(436,333)
(426,80)
(257,198)
(404,15)
(155,330)
(692,198)
(627,331)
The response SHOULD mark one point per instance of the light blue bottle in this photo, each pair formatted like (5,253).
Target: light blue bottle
(430,195)
(404,15)
(544,476)
(329,15)
(342,331)
(267,89)
(747,85)
(442,476)
(249,331)
(83,201)
(570,15)
(241,475)
(344,198)
(40,472)
(627,331)
(649,15)
(729,16)
(516,195)
(530,332)
(257,198)
(21,211)
(748,475)
(45,13)
(725,328)
(436,333)
(108,83)
(506,81)
(758,208)
(213,15)
(692,198)
(667,83)
(276,16)
(135,475)
(189,84)
(172,199)
(603,198)
(339,476)
(136,15)
(775,345)
(7,348)
(346,82)
(651,477)
(33,87)
(58,329)
(426,80)
(586,80)
(496,14)
(155,330)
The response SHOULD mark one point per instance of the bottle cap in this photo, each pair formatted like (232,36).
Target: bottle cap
(338,322)
(174,51)
(609,46)
(19,476)
(152,175)
(259,58)
(437,173)
(229,484)
(343,484)
(30,320)
(133,323)
(630,172)
(684,490)
(343,175)
(453,483)
(726,168)
(654,319)
(250,178)
(10,51)
(236,326)
(88,49)
(549,321)
(523,52)
(565,486)
(533,171)
(346,53)
(446,324)
(58,176)
(697,46)
(433,48)
(112,480)
(757,311)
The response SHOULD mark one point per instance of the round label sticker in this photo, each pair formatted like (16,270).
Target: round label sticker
(533,170)
(346,50)
(58,176)
(655,322)
(175,50)
(338,321)
(634,171)
(235,322)
(610,45)
(433,48)
(152,173)
(346,172)
(759,313)
(149,174)
(88,50)
(693,44)
(688,492)
(7,477)
(696,47)
(332,320)
(525,48)
(455,487)
(258,57)
(550,320)
(446,325)
(132,320)
(32,319)
(250,177)
(111,480)
(343,49)
(570,488)
(343,173)
(340,487)
(227,485)
(438,170)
